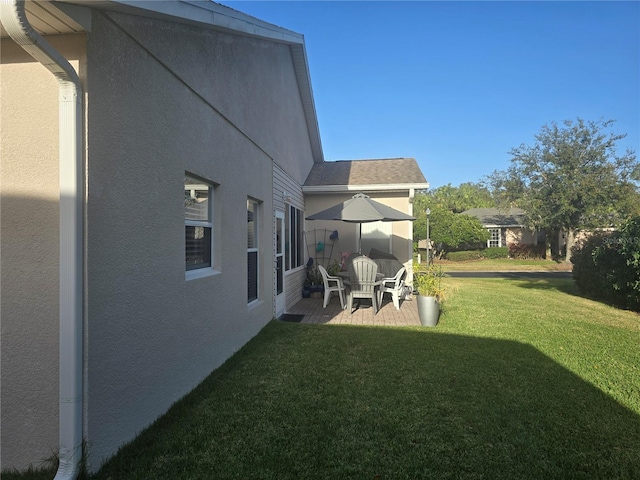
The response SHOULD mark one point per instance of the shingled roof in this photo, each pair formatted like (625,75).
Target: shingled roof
(494,217)
(389,172)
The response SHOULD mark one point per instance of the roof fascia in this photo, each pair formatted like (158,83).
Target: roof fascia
(207,14)
(397,187)
(491,225)
(197,12)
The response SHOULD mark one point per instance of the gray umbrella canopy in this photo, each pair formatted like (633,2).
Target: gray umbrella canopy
(361,209)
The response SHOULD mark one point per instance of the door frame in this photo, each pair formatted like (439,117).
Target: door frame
(279,264)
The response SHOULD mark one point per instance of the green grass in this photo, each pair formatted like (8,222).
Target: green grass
(522,379)
(503,264)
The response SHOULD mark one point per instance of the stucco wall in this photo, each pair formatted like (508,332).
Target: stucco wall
(166,99)
(30,252)
(520,235)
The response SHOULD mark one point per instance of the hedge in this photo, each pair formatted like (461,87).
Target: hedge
(524,251)
(607,266)
(495,252)
(467,255)
(464,256)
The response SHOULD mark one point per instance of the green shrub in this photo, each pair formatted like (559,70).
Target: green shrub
(495,252)
(464,256)
(607,266)
(593,262)
(525,251)
(630,249)
(428,282)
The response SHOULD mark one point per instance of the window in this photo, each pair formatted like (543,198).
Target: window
(252,250)
(376,235)
(198,208)
(494,239)
(294,245)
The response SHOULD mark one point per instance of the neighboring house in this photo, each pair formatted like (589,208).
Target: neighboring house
(128,270)
(505,226)
(191,118)
(392,181)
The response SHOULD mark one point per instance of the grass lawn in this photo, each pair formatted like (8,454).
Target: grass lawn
(522,379)
(504,264)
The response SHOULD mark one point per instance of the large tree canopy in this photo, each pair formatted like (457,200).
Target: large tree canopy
(458,199)
(571,178)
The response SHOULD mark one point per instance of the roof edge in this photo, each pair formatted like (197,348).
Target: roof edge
(388,187)
(208,14)
(204,13)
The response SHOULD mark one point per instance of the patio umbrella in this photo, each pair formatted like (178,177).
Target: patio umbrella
(361,209)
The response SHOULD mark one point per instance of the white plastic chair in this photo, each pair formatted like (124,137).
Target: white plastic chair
(362,281)
(394,286)
(331,284)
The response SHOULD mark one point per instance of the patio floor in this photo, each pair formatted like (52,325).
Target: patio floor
(362,314)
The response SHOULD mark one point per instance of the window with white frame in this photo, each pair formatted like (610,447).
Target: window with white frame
(252,250)
(376,235)
(294,244)
(198,219)
(494,238)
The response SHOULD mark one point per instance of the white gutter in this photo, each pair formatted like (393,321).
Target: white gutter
(14,20)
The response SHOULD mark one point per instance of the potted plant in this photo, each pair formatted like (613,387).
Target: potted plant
(427,284)
(314,280)
(333,268)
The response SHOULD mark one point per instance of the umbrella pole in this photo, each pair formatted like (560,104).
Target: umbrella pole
(360,240)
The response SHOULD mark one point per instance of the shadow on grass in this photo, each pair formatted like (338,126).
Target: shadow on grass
(565,286)
(305,402)
(561,285)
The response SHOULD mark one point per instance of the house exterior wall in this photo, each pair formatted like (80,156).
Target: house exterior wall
(520,235)
(162,99)
(29,240)
(283,182)
(219,106)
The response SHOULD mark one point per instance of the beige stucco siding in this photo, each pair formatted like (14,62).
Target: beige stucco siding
(520,235)
(30,252)
(166,99)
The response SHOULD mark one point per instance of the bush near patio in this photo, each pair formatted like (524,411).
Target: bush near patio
(606,266)
(524,251)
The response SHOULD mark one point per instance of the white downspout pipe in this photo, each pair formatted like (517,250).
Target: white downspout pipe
(14,20)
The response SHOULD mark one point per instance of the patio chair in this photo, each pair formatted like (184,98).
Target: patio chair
(362,282)
(331,284)
(394,286)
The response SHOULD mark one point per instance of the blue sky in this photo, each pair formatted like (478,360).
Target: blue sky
(456,85)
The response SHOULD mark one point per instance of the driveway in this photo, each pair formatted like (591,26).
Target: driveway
(564,275)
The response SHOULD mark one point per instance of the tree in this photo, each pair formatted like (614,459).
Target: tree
(458,199)
(447,230)
(571,178)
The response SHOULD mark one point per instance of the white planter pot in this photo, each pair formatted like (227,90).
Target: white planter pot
(428,311)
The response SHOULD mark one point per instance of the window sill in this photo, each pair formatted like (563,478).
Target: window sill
(254,304)
(200,273)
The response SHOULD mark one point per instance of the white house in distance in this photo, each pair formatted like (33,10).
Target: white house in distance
(137,137)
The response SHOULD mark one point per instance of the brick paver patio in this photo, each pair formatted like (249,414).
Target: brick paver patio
(362,314)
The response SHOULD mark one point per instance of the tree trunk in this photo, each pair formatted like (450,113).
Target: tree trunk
(570,239)
(547,241)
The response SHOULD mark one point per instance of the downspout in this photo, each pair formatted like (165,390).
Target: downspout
(14,20)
